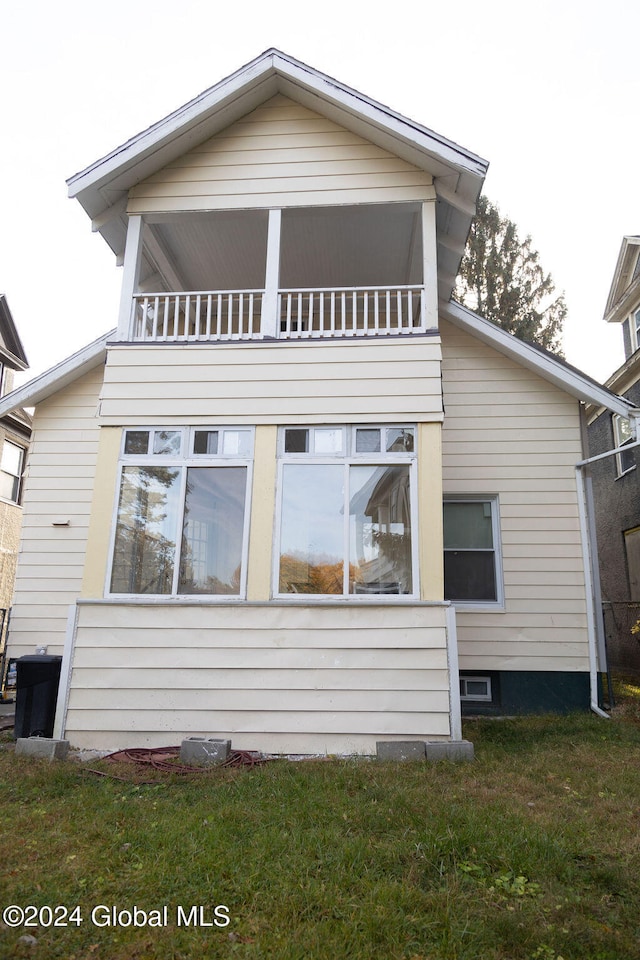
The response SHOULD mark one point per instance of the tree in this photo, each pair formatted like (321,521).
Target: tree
(501,279)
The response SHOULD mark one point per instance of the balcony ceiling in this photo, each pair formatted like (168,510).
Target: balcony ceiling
(375,245)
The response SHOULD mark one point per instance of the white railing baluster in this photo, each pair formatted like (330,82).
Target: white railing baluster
(309,330)
(208,320)
(302,313)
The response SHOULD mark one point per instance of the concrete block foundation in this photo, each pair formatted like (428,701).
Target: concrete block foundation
(199,751)
(432,751)
(42,748)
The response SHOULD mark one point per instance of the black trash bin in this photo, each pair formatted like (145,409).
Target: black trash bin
(37,681)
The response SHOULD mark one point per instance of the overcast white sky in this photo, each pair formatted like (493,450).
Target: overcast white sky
(548,93)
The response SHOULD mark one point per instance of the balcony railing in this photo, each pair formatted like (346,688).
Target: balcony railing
(238,314)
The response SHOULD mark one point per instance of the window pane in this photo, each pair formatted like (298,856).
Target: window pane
(205,441)
(212,532)
(327,441)
(399,441)
(367,441)
(136,441)
(296,441)
(11,458)
(312,528)
(468,525)
(144,552)
(167,442)
(380,530)
(236,443)
(622,430)
(469,575)
(9,487)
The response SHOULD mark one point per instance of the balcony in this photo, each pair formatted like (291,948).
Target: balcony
(206,316)
(311,273)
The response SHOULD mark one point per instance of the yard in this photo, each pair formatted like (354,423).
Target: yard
(532,852)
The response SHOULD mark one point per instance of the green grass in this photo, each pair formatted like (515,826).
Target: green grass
(532,852)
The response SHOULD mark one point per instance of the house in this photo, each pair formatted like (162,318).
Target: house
(615,480)
(234,520)
(15,433)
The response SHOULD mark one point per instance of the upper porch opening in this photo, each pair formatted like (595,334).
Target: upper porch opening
(301,272)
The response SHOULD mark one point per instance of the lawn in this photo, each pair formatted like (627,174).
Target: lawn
(531,852)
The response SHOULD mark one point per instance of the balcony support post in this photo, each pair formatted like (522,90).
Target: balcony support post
(130,273)
(430,265)
(270,320)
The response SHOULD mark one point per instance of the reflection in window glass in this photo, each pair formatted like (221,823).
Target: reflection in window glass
(212,532)
(367,441)
(136,441)
(399,440)
(167,442)
(205,441)
(143,560)
(469,551)
(380,529)
(312,528)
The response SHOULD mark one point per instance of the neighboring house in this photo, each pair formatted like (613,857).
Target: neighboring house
(616,484)
(234,516)
(15,433)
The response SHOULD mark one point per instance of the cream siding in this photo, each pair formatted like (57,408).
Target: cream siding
(59,486)
(277,677)
(280,155)
(510,433)
(384,379)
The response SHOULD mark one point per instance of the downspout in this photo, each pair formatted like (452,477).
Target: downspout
(589,568)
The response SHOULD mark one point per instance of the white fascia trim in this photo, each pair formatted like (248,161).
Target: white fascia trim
(271,64)
(57,377)
(614,299)
(563,377)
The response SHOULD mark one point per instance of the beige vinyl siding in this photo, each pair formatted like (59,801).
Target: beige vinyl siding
(59,485)
(382,380)
(510,433)
(280,155)
(276,677)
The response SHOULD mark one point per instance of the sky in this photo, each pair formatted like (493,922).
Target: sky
(547,93)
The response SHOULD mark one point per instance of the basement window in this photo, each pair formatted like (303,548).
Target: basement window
(475,688)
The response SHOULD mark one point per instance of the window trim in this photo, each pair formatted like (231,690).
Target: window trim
(488,606)
(185,459)
(348,459)
(616,421)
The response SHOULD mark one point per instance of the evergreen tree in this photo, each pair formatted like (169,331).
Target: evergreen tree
(501,279)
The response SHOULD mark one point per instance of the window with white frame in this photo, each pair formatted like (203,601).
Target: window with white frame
(625,460)
(11,466)
(475,688)
(634,329)
(472,563)
(181,523)
(346,514)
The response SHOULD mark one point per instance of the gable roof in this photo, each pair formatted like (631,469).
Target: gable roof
(458,174)
(552,368)
(625,286)
(11,349)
